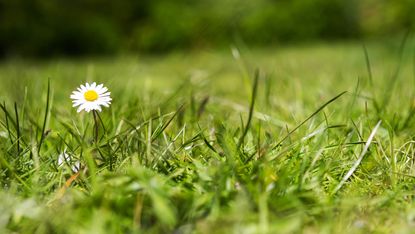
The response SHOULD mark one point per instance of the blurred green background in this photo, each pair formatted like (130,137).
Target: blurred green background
(83,27)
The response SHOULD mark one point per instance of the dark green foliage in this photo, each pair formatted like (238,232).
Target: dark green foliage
(55,27)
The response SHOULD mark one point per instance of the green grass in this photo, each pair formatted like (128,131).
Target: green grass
(200,142)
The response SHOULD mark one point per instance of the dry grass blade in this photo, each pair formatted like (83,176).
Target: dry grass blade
(359,159)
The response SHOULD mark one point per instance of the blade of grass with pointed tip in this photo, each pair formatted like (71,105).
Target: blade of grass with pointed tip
(308,118)
(391,85)
(251,108)
(17,128)
(161,130)
(368,66)
(369,71)
(45,118)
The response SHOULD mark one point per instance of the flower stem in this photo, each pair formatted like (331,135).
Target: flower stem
(94,112)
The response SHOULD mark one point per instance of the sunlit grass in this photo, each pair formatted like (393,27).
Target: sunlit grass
(201,142)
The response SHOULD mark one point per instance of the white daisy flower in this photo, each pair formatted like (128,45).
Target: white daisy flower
(65,158)
(91,97)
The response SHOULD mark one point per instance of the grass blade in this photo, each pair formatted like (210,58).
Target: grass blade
(17,128)
(161,130)
(251,108)
(372,86)
(308,118)
(359,159)
(368,66)
(6,116)
(45,118)
(391,85)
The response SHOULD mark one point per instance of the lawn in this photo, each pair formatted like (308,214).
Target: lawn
(302,139)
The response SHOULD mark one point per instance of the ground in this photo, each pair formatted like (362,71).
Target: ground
(300,139)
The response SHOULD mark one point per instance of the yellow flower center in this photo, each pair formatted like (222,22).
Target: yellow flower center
(90,95)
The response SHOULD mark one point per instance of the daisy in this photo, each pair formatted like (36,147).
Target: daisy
(91,97)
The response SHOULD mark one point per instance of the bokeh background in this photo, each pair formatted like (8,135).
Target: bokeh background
(42,28)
